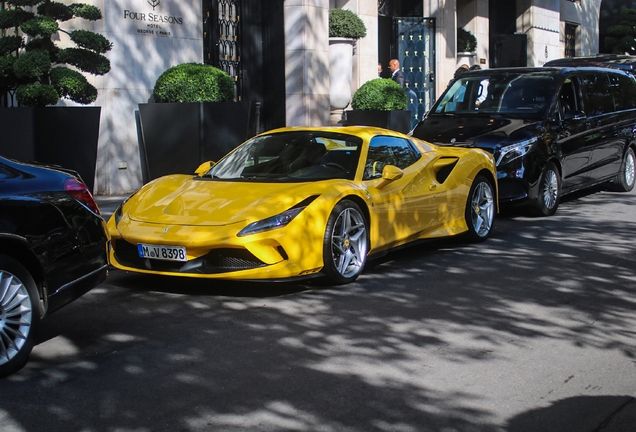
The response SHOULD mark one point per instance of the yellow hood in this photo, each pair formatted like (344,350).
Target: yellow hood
(183,200)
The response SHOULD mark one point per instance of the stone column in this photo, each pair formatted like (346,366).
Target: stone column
(307,62)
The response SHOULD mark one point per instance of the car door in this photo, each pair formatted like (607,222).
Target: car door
(404,206)
(603,136)
(571,128)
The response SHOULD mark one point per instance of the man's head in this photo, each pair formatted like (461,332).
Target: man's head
(394,65)
(379,69)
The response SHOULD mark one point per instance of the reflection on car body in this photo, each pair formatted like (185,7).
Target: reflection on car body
(552,131)
(53,249)
(304,202)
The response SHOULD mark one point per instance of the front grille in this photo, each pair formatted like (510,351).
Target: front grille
(511,190)
(216,261)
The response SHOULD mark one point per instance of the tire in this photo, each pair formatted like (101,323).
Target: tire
(19,315)
(624,181)
(346,243)
(547,202)
(480,209)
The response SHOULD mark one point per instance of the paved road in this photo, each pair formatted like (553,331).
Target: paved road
(532,330)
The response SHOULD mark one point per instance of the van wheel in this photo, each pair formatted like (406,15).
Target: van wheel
(624,181)
(549,192)
(19,315)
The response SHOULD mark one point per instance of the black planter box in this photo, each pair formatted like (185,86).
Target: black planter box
(64,136)
(397,120)
(177,137)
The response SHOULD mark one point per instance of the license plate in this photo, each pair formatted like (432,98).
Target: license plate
(160,252)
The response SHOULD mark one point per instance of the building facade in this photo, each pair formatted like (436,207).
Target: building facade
(278,53)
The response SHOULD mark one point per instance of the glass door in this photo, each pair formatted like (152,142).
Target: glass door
(416,53)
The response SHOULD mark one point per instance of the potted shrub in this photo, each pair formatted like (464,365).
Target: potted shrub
(466,41)
(380,102)
(193,115)
(345,27)
(36,73)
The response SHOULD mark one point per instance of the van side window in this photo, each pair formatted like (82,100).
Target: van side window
(388,151)
(569,98)
(599,94)
(624,91)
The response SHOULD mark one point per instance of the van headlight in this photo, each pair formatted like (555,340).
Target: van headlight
(511,152)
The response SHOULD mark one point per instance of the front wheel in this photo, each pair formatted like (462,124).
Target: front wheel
(624,181)
(19,315)
(480,209)
(346,243)
(549,192)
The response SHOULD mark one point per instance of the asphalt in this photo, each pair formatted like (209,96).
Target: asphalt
(623,420)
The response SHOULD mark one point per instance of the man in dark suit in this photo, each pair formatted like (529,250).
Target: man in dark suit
(396,73)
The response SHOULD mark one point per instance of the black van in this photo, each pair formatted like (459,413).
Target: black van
(552,131)
(626,63)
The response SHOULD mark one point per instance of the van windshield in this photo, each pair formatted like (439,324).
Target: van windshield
(515,95)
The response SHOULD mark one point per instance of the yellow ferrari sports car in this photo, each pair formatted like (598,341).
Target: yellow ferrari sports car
(304,202)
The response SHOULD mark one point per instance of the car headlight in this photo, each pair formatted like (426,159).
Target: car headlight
(278,221)
(270,223)
(509,153)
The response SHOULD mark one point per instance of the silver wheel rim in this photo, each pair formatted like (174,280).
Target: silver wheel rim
(482,209)
(16,316)
(629,169)
(550,189)
(349,243)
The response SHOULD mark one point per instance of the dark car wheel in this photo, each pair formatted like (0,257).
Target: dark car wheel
(624,181)
(549,192)
(19,315)
(346,243)
(480,209)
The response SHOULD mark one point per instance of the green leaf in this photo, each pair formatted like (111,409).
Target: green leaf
(193,82)
(86,11)
(37,95)
(85,60)
(91,41)
(10,18)
(32,65)
(40,26)
(382,94)
(73,85)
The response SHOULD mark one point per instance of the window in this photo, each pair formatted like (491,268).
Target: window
(599,94)
(388,151)
(624,91)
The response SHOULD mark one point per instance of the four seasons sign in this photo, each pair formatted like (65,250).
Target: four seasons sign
(155,22)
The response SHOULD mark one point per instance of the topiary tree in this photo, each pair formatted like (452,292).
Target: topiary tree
(621,38)
(193,82)
(379,94)
(34,68)
(346,24)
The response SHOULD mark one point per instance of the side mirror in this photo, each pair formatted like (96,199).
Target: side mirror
(203,168)
(390,173)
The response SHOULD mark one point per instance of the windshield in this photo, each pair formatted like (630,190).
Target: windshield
(515,95)
(292,156)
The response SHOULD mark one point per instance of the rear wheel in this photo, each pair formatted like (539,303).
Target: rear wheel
(547,202)
(19,315)
(480,209)
(346,243)
(624,181)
